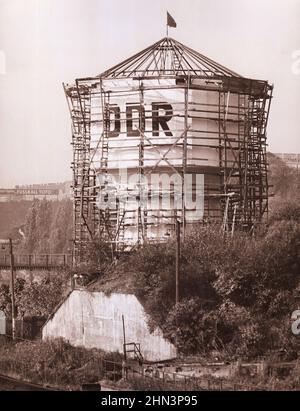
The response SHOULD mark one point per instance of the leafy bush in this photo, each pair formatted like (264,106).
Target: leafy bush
(33,299)
(192,328)
(236,293)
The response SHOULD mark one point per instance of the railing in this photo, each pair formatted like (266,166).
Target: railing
(37,260)
(115,371)
(112,370)
(173,380)
(135,349)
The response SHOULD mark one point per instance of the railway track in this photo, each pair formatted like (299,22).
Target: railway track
(13,384)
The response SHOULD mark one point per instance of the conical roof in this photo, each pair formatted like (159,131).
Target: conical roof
(168,57)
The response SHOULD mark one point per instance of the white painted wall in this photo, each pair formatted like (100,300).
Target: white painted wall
(93,319)
(162,152)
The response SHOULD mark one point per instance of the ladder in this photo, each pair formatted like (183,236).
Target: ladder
(134,350)
(80,109)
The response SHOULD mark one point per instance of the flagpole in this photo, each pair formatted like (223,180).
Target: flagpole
(167,25)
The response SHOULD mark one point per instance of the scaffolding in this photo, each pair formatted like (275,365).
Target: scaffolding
(219,131)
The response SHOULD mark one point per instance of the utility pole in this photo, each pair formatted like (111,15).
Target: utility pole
(124,362)
(124,339)
(177,260)
(12,287)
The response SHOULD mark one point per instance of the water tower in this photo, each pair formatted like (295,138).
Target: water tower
(166,135)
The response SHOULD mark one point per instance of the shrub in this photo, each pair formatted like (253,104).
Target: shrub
(55,361)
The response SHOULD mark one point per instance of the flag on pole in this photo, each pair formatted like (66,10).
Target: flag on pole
(170,21)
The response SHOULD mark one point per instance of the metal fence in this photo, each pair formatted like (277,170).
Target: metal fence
(114,371)
(37,260)
(174,381)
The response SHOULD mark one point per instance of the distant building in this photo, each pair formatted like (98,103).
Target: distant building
(291,160)
(51,192)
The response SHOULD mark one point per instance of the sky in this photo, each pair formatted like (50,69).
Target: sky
(46,42)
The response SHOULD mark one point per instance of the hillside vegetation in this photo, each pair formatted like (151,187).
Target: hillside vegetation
(12,217)
(236,293)
(48,227)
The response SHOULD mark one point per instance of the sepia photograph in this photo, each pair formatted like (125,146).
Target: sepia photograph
(149,198)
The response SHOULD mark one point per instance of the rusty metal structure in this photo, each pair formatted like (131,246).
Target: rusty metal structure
(168,109)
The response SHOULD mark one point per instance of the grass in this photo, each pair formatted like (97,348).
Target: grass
(53,362)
